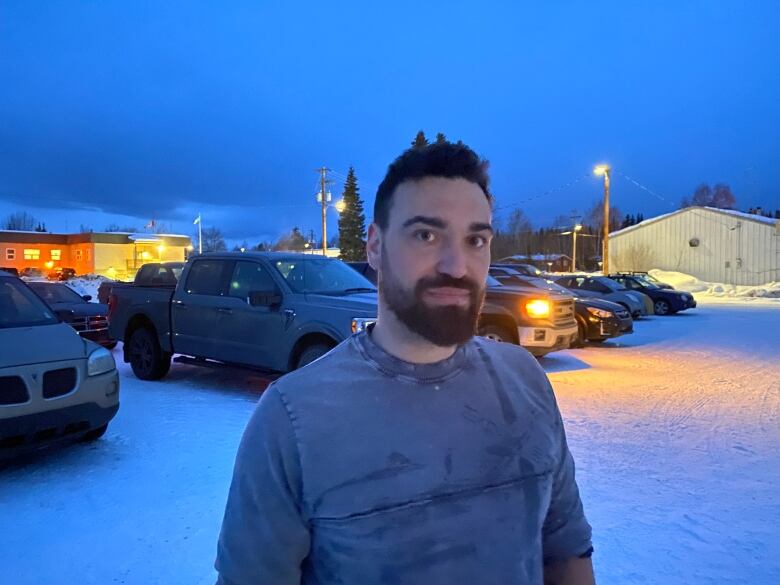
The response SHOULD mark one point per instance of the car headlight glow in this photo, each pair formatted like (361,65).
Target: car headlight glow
(601,313)
(538,308)
(99,362)
(361,323)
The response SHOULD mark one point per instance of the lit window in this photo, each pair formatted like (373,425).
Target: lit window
(10,254)
(89,254)
(32,254)
(78,255)
(56,254)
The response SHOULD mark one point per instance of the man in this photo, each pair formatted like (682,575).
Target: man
(415,452)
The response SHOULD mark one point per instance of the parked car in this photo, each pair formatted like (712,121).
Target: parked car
(152,274)
(61,274)
(54,385)
(10,270)
(647,276)
(665,301)
(597,320)
(604,288)
(524,269)
(544,322)
(30,272)
(266,310)
(90,320)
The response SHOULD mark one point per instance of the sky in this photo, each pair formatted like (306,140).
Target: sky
(123,112)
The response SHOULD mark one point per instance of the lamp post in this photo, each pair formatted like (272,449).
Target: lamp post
(604,170)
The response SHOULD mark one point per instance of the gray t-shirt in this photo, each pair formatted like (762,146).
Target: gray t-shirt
(362,469)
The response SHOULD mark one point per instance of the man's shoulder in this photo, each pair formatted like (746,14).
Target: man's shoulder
(336,365)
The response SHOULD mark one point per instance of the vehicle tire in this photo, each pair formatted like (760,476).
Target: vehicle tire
(147,359)
(599,340)
(312,353)
(496,333)
(111,345)
(661,307)
(95,434)
(582,335)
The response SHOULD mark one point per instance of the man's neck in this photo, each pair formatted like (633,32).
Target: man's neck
(396,339)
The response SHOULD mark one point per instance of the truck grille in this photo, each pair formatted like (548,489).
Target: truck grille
(83,324)
(563,312)
(13,391)
(58,382)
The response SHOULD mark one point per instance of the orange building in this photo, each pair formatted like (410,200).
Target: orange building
(115,255)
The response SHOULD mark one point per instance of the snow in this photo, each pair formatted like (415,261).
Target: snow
(719,292)
(87,284)
(675,430)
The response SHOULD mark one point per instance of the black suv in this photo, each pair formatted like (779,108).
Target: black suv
(665,301)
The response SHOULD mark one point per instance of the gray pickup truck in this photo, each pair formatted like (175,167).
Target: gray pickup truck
(272,311)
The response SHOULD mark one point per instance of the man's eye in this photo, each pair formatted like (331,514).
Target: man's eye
(478,241)
(425,236)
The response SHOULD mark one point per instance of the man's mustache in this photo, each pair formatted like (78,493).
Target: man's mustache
(443,280)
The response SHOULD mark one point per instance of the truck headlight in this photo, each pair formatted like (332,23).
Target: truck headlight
(361,323)
(538,308)
(100,361)
(602,314)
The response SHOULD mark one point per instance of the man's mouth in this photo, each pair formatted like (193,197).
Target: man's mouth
(448,295)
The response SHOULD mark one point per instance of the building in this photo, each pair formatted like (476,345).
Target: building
(545,262)
(115,255)
(714,245)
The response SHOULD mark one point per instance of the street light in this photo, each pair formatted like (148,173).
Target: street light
(604,170)
(340,206)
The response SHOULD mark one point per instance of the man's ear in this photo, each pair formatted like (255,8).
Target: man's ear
(374,246)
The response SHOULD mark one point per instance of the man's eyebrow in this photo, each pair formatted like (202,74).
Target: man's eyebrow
(431,221)
(481,227)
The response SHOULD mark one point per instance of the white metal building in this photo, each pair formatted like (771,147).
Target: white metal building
(714,245)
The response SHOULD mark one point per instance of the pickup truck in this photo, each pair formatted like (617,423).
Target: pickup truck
(150,274)
(542,321)
(271,311)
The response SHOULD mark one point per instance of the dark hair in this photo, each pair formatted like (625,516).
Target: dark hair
(448,160)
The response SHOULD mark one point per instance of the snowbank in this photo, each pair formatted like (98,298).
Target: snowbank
(718,291)
(87,284)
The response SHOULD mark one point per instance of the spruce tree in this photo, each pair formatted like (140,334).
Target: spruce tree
(441,138)
(352,222)
(420,140)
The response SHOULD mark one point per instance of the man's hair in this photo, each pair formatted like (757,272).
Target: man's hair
(447,160)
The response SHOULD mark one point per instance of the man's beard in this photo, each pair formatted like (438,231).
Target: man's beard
(444,325)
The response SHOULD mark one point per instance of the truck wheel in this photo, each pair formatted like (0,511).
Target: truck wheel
(582,336)
(661,307)
(496,333)
(148,360)
(95,434)
(312,353)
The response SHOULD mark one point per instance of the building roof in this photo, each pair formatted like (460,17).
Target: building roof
(20,237)
(724,212)
(536,257)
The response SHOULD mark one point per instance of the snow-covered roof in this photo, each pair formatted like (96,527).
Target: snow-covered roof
(536,257)
(730,212)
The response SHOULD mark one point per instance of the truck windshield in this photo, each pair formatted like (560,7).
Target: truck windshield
(322,276)
(19,307)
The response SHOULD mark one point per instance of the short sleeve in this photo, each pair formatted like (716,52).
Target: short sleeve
(264,537)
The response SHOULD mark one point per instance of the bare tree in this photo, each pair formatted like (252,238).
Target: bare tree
(213,240)
(21,221)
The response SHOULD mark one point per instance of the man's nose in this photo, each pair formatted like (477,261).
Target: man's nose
(452,261)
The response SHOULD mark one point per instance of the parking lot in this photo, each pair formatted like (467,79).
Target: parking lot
(675,430)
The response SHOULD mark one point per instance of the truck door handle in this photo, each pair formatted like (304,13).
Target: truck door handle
(224,310)
(180,304)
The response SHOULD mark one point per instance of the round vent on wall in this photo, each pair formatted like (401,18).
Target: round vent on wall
(693,242)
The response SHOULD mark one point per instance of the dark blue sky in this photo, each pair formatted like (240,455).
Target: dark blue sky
(124,111)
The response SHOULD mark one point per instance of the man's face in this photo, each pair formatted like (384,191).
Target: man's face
(434,256)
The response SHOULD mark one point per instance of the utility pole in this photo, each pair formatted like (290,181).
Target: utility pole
(604,170)
(323,171)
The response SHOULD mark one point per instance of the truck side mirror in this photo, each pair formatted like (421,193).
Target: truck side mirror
(86,297)
(259,298)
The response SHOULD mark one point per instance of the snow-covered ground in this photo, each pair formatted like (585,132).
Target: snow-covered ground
(718,292)
(675,429)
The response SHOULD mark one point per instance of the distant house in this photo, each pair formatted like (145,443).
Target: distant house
(714,245)
(113,254)
(546,262)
